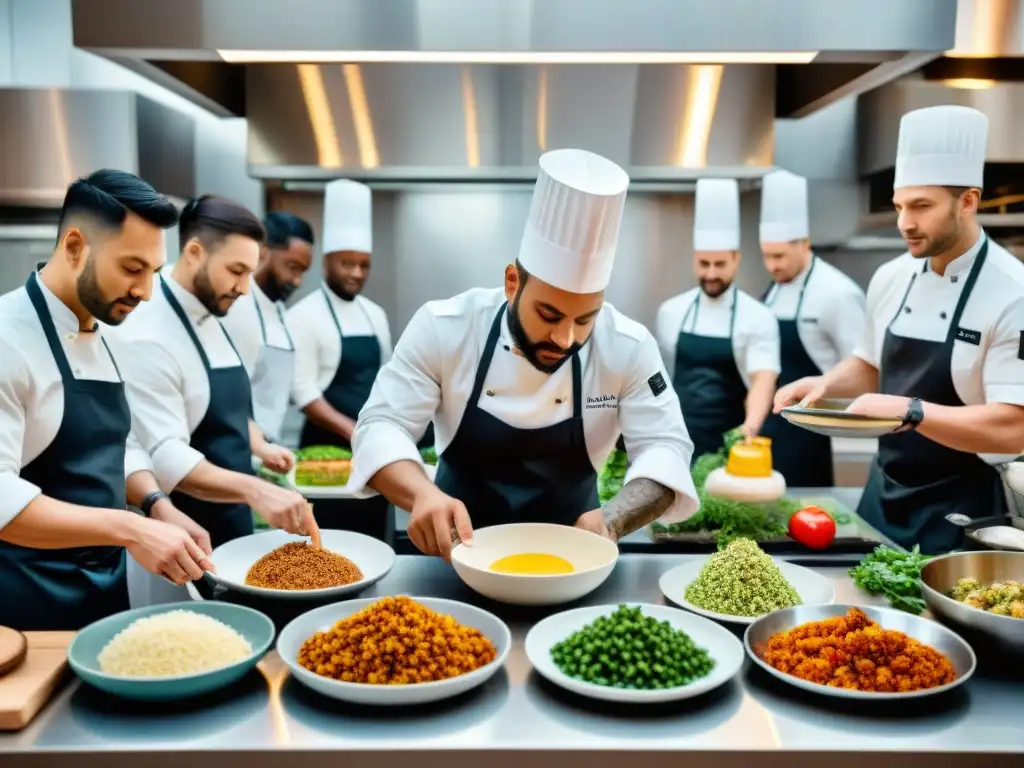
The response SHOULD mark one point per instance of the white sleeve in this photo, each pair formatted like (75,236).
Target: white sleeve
(844,320)
(657,441)
(869,346)
(15,383)
(156,395)
(1003,369)
(135,457)
(763,345)
(243,327)
(403,401)
(306,337)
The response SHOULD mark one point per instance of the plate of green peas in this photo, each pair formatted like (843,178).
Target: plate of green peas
(634,653)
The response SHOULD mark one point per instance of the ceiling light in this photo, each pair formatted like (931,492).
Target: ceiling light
(970,83)
(516,57)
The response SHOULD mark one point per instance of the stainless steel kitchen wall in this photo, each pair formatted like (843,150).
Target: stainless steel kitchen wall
(434,242)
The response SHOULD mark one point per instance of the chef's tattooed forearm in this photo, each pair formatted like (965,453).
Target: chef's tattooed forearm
(639,503)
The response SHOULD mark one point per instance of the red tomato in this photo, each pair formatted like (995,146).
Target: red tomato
(813,527)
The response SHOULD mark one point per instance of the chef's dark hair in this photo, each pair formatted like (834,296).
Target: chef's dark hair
(212,218)
(107,196)
(282,227)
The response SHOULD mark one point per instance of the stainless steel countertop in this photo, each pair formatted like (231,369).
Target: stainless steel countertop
(752,717)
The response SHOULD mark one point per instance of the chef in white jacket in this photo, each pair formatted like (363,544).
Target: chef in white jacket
(257,322)
(530,386)
(720,344)
(821,317)
(943,349)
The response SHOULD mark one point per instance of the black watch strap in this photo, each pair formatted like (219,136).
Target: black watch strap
(915,414)
(150,499)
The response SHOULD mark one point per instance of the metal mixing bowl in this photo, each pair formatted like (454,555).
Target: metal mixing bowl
(941,574)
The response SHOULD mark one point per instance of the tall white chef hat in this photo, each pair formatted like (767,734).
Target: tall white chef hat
(941,146)
(716,217)
(348,217)
(574,220)
(784,208)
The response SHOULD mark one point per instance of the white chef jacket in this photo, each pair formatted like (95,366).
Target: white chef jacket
(168,389)
(32,394)
(317,344)
(755,335)
(832,315)
(991,371)
(243,324)
(430,377)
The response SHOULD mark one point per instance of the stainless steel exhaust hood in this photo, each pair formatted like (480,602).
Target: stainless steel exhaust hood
(49,137)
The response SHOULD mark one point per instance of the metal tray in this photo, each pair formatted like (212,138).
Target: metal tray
(854,425)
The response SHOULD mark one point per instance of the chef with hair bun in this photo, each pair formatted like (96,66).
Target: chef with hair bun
(943,350)
(530,385)
(720,344)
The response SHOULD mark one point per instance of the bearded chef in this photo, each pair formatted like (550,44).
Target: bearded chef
(68,460)
(943,350)
(821,317)
(257,322)
(530,386)
(720,344)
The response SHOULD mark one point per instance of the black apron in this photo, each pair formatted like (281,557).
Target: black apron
(915,482)
(222,437)
(508,475)
(67,589)
(711,391)
(802,457)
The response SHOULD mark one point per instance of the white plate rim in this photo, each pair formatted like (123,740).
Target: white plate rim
(605,693)
(697,565)
(310,594)
(479,675)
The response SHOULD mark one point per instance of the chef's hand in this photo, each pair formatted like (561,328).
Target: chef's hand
(281,507)
(167,550)
(805,391)
(594,522)
(166,512)
(880,406)
(276,458)
(438,521)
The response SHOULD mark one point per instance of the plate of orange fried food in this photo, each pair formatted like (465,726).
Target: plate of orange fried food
(831,650)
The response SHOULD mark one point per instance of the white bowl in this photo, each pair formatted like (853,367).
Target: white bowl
(290,641)
(593,557)
(813,588)
(233,560)
(724,647)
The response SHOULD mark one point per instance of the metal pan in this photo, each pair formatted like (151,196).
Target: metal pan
(829,417)
(942,639)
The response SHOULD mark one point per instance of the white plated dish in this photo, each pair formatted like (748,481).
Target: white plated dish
(325,492)
(233,560)
(300,629)
(813,588)
(721,644)
(593,558)
(829,417)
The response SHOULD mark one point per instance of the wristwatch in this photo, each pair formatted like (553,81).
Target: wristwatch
(150,499)
(915,415)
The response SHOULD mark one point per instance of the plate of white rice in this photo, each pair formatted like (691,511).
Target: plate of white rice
(172,651)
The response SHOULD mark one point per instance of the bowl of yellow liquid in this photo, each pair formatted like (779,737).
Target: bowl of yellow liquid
(534,563)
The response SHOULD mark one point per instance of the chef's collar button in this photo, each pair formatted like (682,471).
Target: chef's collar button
(942,315)
(70,337)
(954,278)
(507,347)
(489,393)
(907,310)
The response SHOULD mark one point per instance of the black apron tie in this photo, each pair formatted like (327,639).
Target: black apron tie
(802,457)
(222,436)
(67,589)
(711,390)
(508,475)
(915,482)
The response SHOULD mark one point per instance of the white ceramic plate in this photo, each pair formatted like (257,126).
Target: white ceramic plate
(290,641)
(813,588)
(593,557)
(724,647)
(234,559)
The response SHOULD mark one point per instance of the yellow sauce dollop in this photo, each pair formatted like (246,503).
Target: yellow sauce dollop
(532,564)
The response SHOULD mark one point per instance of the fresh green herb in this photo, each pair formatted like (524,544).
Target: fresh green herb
(429,455)
(630,650)
(741,580)
(893,574)
(609,481)
(273,477)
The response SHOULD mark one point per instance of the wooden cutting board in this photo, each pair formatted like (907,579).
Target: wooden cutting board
(27,689)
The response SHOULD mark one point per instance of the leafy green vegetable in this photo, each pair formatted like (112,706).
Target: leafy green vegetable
(893,574)
(322,453)
(609,481)
(273,477)
(429,455)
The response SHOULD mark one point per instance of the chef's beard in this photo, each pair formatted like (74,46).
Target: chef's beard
(202,287)
(340,292)
(95,303)
(936,245)
(275,291)
(714,288)
(530,349)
